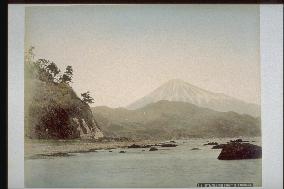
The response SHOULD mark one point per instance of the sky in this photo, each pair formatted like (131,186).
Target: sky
(121,53)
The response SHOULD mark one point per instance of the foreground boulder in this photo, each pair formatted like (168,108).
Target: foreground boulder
(236,151)
(221,146)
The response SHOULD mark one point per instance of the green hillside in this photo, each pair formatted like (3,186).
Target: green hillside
(165,119)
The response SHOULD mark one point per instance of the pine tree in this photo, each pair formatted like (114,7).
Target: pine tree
(86,98)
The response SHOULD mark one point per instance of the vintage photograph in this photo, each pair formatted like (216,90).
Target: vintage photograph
(142,96)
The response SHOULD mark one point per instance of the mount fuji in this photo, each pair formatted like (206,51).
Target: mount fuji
(180,91)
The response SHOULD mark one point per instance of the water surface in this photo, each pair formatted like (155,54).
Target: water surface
(168,167)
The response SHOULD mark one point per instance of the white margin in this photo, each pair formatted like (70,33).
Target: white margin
(271,44)
(16,17)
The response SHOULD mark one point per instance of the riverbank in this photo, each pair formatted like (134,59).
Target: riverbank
(48,148)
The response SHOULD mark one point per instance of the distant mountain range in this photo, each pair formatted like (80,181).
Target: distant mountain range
(172,119)
(180,91)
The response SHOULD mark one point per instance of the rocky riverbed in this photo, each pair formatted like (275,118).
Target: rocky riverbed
(35,149)
(42,149)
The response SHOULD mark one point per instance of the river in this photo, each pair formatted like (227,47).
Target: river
(177,167)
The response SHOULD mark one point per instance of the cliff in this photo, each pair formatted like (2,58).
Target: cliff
(54,111)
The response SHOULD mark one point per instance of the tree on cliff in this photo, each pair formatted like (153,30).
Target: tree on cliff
(67,76)
(53,70)
(53,110)
(86,98)
(46,70)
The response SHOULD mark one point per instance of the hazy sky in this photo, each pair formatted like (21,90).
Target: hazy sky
(122,52)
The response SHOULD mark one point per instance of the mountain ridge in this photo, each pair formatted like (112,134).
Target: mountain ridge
(168,119)
(178,90)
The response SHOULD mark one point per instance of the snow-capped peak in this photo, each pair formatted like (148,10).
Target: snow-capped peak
(178,90)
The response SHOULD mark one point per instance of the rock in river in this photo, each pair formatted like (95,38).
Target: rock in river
(135,146)
(211,143)
(235,151)
(239,140)
(219,146)
(195,149)
(168,145)
(153,149)
(139,146)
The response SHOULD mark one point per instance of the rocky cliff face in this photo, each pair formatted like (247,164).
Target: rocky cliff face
(53,111)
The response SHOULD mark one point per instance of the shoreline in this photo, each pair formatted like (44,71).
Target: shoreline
(38,149)
(43,149)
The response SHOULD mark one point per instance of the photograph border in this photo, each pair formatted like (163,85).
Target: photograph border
(271,33)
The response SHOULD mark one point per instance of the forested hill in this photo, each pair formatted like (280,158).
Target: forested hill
(52,108)
(167,120)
